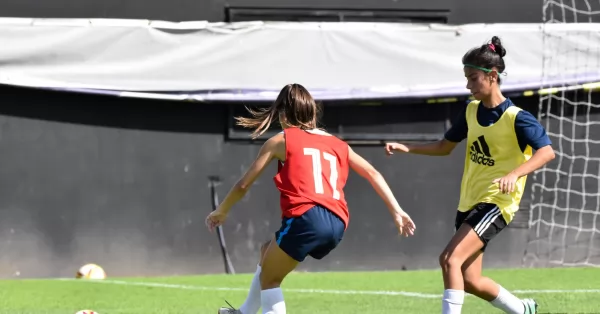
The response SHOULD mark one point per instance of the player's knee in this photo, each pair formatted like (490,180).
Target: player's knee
(448,261)
(471,285)
(268,281)
(264,247)
(263,251)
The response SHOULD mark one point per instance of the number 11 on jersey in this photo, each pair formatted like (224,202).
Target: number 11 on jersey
(318,170)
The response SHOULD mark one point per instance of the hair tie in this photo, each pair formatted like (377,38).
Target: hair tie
(493,47)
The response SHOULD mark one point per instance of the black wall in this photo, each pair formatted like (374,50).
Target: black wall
(124,183)
(458,11)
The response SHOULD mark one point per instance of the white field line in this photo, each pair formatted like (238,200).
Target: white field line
(558,291)
(315,291)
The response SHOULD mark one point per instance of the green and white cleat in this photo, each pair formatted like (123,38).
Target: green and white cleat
(530,306)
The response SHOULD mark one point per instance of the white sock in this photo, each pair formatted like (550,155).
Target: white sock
(508,303)
(452,301)
(272,301)
(252,303)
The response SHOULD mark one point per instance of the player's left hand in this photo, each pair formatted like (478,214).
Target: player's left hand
(215,219)
(507,183)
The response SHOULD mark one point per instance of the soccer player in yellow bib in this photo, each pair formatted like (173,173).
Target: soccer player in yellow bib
(501,138)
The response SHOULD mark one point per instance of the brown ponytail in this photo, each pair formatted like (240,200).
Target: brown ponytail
(260,121)
(294,103)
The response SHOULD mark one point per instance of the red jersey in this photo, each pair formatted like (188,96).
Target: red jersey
(314,173)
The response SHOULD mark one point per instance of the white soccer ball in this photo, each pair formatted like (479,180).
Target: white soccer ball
(87,312)
(90,271)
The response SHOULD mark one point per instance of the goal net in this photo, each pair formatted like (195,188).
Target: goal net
(564,220)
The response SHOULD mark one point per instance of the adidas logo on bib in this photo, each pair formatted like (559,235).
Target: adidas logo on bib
(480,153)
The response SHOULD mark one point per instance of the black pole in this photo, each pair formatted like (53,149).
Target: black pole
(214,181)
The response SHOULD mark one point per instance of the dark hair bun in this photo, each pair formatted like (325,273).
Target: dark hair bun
(498,46)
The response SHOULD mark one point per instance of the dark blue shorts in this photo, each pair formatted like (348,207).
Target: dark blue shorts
(316,233)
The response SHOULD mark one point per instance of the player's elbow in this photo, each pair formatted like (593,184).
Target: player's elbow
(551,155)
(242,187)
(548,153)
(372,174)
(445,147)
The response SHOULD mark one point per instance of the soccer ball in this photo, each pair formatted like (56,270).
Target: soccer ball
(90,271)
(87,312)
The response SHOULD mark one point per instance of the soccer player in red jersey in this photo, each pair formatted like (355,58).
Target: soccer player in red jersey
(313,169)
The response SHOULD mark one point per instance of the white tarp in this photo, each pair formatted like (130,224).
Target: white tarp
(252,61)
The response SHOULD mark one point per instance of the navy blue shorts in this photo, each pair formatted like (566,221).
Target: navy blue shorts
(316,233)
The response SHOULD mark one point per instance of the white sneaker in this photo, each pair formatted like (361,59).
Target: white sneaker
(530,306)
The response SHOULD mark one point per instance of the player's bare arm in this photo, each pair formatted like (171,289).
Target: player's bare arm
(367,171)
(274,148)
(439,148)
(541,157)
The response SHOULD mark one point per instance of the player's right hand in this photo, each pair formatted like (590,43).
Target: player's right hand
(391,147)
(404,224)
(215,219)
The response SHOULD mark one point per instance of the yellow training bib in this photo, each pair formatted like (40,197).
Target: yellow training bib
(492,152)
